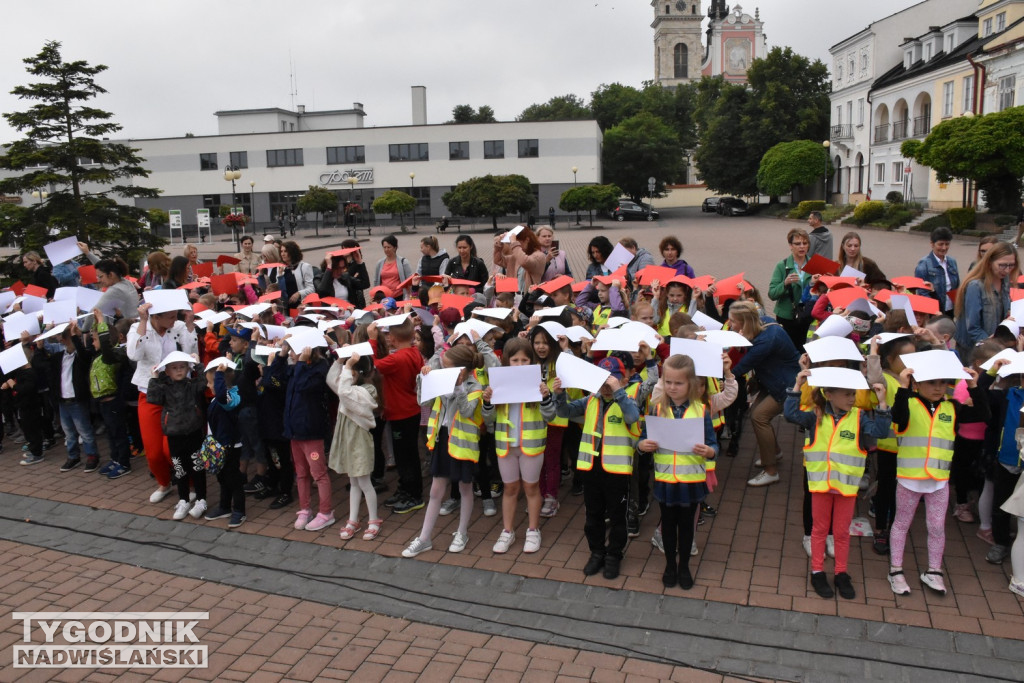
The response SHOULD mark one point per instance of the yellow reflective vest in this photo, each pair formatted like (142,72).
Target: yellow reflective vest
(533,429)
(463,433)
(926,445)
(618,439)
(834,460)
(570,394)
(601,315)
(674,467)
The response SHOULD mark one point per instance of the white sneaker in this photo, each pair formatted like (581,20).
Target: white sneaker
(778,459)
(505,541)
(198,509)
(830,546)
(933,579)
(693,550)
(532,543)
(807,545)
(898,582)
(161,493)
(490,509)
(180,510)
(458,543)
(657,541)
(416,547)
(764,479)
(448,507)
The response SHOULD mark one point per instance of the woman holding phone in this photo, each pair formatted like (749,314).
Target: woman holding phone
(556,264)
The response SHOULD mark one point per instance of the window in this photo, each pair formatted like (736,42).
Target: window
(864,61)
(211,200)
(927,51)
(908,59)
(208,162)
(680,60)
(494,149)
(986,28)
(879,173)
(1001,21)
(852,65)
(860,112)
(239,159)
(1007,86)
(968,103)
(947,99)
(839,114)
(897,172)
(949,43)
(416,151)
(849,111)
(86,161)
(284,157)
(529,149)
(355,154)
(839,72)
(458,150)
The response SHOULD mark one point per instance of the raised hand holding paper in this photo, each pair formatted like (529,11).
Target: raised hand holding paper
(164,300)
(438,383)
(520,384)
(579,374)
(62,250)
(679,436)
(707,358)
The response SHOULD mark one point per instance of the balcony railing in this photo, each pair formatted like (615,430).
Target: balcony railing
(899,129)
(922,126)
(842,131)
(882,133)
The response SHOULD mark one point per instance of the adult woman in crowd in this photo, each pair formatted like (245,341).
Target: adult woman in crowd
(118,294)
(672,251)
(297,280)
(557,263)
(158,267)
(357,270)
(984,297)
(850,255)
(787,287)
(984,244)
(191,252)
(269,254)
(598,250)
(247,258)
(177,273)
(521,257)
(337,281)
(434,259)
(775,362)
(41,274)
(391,270)
(641,257)
(467,266)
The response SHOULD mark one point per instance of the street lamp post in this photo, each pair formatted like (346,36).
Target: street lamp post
(252,205)
(232,174)
(351,180)
(412,179)
(40,195)
(824,186)
(574,169)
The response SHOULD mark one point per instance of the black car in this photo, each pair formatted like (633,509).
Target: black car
(710,204)
(732,206)
(628,210)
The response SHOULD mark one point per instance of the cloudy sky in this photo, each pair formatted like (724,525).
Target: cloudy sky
(173,63)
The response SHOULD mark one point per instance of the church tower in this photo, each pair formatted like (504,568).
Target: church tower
(678,51)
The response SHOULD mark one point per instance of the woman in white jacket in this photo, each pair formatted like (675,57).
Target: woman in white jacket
(149,341)
(297,279)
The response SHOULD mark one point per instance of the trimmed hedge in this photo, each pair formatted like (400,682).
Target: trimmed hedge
(867,212)
(894,197)
(803,209)
(962,219)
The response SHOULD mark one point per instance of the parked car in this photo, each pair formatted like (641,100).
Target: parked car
(710,204)
(629,210)
(732,206)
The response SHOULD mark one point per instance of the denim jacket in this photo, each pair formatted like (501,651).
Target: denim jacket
(981,314)
(928,269)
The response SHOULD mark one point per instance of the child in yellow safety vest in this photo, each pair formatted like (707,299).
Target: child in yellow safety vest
(925,422)
(610,433)
(453,437)
(547,348)
(520,434)
(835,456)
(680,477)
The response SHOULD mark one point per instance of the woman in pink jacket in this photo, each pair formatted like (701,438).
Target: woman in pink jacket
(524,252)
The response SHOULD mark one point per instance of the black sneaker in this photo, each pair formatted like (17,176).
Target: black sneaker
(593,565)
(820,584)
(844,586)
(236,520)
(611,567)
(395,499)
(70,464)
(707,510)
(685,577)
(49,443)
(284,500)
(267,492)
(217,513)
(255,486)
(92,463)
(881,543)
(378,485)
(632,526)
(408,504)
(671,575)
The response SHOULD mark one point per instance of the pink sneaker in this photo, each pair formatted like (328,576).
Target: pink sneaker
(321,521)
(963,513)
(302,518)
(986,535)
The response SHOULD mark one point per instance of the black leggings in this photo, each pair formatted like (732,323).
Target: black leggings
(966,453)
(885,494)
(184,467)
(677,532)
(231,479)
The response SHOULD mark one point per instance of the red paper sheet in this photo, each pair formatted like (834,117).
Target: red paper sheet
(842,298)
(556,284)
(202,269)
(651,273)
(224,284)
(18,288)
(224,258)
(454,301)
(836,282)
(910,281)
(504,283)
(270,297)
(87,274)
(819,265)
(35,290)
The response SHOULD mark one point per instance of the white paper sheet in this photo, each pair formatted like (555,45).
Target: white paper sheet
(325,325)
(438,383)
(165,300)
(616,322)
(62,250)
(576,373)
(363,349)
(850,271)
(899,302)
(256,309)
(832,348)
(55,331)
(550,312)
(176,357)
(705,321)
(302,338)
(273,332)
(56,312)
(426,316)
(507,239)
(216,364)
(834,326)
(679,436)
(707,358)
(644,332)
(619,256)
(392,321)
(266,350)
(1005,354)
(32,304)
(727,339)
(556,330)
(472,325)
(934,365)
(519,384)
(1012,326)
(64,294)
(1017,309)
(13,358)
(577,333)
(886,337)
(840,378)
(496,313)
(214,317)
(17,322)
(86,299)
(616,340)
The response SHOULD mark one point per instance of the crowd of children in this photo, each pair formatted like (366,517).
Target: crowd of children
(626,392)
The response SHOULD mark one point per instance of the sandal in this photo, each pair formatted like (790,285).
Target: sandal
(372,529)
(349,530)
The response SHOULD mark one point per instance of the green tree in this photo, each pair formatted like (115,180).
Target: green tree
(491,195)
(464,113)
(395,201)
(987,149)
(724,154)
(789,164)
(317,200)
(560,108)
(590,198)
(640,147)
(613,104)
(63,152)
